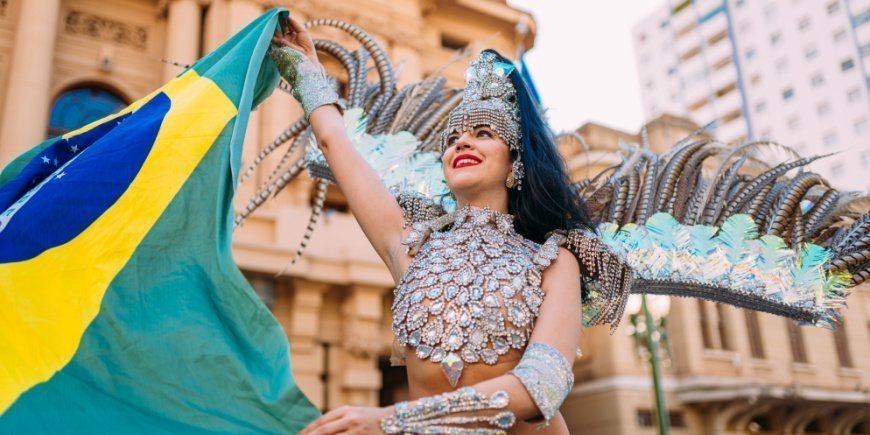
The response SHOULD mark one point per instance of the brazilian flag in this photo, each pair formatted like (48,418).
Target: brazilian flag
(121,308)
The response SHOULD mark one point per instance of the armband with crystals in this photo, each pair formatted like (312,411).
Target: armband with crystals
(447,413)
(311,85)
(547,376)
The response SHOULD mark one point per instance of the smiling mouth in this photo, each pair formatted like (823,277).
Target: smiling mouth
(464,160)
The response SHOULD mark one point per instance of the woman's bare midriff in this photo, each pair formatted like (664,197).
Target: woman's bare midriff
(425,378)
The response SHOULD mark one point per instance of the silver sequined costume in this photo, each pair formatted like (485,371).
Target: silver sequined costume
(472,291)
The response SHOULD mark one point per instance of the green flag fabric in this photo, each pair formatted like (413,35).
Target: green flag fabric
(121,308)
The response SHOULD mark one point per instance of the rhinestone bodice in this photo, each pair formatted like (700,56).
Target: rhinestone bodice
(471,292)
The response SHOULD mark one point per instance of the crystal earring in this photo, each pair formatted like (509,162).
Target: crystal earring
(515,178)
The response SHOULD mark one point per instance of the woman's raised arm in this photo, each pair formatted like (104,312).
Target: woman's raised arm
(371,202)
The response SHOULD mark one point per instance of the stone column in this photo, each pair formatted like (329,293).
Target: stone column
(27,103)
(360,380)
(685,334)
(306,350)
(183,32)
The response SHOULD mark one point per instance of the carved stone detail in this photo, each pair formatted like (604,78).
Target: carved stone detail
(104,29)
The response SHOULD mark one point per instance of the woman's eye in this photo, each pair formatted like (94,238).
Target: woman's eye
(484,133)
(451,140)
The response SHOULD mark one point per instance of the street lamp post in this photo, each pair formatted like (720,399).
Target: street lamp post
(652,335)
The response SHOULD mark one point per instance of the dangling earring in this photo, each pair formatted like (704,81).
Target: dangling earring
(515,178)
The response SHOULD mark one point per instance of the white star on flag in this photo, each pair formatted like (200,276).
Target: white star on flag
(74,148)
(46,160)
(59,176)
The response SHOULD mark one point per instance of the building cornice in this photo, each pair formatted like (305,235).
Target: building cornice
(703,389)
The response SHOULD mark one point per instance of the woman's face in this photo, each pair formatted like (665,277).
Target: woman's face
(475,162)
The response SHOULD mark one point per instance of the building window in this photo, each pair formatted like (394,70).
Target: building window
(817,80)
(823,109)
(642,37)
(782,66)
(722,64)
(842,344)
(804,23)
(796,339)
(811,53)
(722,328)
(861,125)
(760,106)
(775,38)
(647,418)
(81,106)
(787,94)
(864,50)
(756,346)
(706,336)
(794,122)
(451,42)
(830,138)
(756,79)
(717,37)
(839,35)
(865,159)
(750,53)
(264,286)
(833,7)
(836,168)
(770,11)
(853,95)
(847,64)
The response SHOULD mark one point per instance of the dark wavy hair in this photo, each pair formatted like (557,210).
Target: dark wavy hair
(547,201)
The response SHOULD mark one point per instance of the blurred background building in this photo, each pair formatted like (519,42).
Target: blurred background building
(795,71)
(64,63)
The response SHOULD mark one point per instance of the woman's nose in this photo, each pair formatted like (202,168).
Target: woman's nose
(464,141)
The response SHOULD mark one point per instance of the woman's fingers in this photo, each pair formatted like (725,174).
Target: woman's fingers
(324,419)
(336,427)
(295,25)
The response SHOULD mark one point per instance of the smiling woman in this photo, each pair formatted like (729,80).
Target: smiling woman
(486,311)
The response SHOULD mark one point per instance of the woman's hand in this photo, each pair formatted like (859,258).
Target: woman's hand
(349,420)
(294,35)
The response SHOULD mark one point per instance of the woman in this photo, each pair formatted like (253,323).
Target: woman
(487,312)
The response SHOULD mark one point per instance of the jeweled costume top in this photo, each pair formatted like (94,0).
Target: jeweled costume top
(472,291)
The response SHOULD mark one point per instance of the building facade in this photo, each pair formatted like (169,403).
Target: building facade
(797,72)
(728,371)
(66,62)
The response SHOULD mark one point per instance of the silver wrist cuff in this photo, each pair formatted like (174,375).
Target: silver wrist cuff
(547,376)
(311,84)
(446,413)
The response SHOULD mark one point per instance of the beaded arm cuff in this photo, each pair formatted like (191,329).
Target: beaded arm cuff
(417,207)
(547,377)
(446,413)
(310,83)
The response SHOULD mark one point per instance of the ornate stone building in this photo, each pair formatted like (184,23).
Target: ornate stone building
(66,62)
(729,371)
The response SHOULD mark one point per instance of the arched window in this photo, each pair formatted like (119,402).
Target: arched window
(80,106)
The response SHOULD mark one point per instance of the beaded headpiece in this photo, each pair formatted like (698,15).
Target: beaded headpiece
(490,99)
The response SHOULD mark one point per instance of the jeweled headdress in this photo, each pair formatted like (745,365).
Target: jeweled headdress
(490,99)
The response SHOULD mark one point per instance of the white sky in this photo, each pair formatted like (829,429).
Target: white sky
(583,60)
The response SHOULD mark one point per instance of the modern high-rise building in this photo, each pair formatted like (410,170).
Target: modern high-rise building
(793,71)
